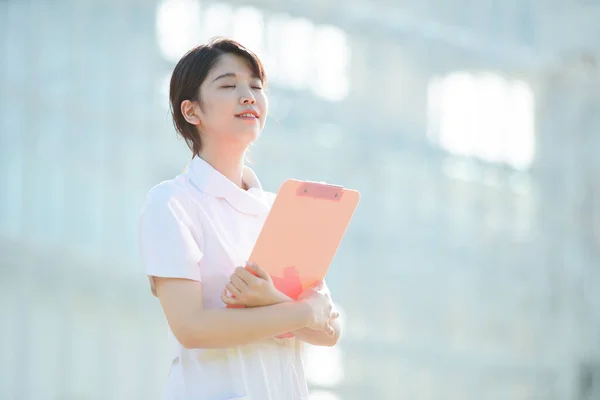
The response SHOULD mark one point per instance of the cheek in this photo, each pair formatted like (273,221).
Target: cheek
(263,104)
(217,113)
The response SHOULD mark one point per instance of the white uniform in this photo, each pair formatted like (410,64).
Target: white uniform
(200,226)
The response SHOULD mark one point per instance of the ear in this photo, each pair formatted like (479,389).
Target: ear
(189,109)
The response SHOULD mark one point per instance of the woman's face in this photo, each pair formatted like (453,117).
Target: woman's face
(234,105)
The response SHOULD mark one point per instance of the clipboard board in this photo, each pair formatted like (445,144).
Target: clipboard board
(302,233)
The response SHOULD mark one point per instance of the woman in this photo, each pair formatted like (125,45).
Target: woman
(197,229)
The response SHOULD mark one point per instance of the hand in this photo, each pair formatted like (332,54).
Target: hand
(252,288)
(322,309)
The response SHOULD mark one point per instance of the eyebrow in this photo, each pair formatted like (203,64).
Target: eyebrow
(230,75)
(227,75)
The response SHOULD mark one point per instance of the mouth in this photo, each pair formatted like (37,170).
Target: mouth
(248,115)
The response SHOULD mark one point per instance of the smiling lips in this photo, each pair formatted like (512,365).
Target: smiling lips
(248,114)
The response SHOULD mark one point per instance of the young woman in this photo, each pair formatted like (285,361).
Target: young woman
(197,230)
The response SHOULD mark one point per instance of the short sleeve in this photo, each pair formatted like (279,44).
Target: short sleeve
(167,245)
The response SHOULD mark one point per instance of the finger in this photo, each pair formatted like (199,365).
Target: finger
(247,276)
(244,274)
(261,273)
(230,300)
(316,287)
(334,315)
(232,289)
(239,283)
(329,331)
(239,272)
(225,294)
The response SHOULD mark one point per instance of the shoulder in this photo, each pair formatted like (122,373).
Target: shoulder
(166,194)
(169,209)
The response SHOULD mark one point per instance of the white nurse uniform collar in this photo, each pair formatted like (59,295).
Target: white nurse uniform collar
(212,183)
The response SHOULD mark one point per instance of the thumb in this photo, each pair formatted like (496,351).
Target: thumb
(258,271)
(329,331)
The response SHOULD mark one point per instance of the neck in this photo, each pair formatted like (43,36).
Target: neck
(227,162)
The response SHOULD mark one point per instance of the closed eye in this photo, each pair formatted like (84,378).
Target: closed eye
(233,87)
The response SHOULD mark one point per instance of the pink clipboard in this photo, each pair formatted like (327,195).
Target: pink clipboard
(302,233)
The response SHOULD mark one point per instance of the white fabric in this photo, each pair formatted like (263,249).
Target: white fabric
(200,226)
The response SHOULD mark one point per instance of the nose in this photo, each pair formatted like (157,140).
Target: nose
(247,98)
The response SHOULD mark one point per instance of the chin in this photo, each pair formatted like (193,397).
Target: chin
(249,136)
(244,139)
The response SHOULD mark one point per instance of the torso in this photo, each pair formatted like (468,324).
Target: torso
(226,229)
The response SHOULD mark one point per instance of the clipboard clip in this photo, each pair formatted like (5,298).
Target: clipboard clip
(320,190)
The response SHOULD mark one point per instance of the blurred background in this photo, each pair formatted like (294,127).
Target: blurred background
(472,128)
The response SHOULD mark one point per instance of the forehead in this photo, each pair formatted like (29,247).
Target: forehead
(231,63)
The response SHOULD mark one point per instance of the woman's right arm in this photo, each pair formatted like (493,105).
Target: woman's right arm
(196,327)
(172,256)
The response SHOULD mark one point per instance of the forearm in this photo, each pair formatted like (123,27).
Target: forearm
(314,337)
(220,328)
(319,338)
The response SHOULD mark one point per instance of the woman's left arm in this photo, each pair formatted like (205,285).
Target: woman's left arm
(239,284)
(317,338)
(320,338)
